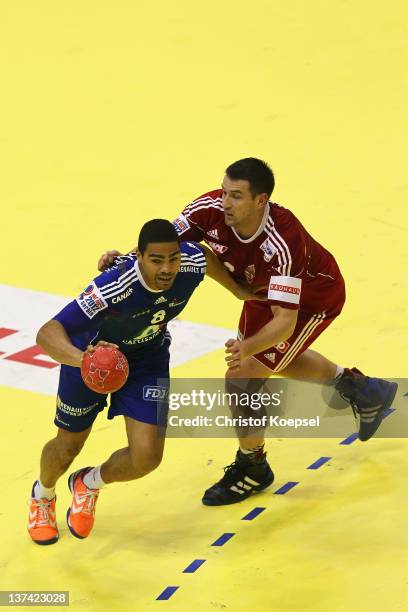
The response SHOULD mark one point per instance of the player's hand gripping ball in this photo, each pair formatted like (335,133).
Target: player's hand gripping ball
(105,370)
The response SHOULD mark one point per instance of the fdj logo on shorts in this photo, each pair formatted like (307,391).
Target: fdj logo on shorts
(155,393)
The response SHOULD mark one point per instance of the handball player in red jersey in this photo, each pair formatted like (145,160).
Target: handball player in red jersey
(263,244)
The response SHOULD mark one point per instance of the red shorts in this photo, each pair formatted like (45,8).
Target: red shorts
(309,326)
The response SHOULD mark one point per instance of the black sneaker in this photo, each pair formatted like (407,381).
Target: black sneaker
(368,397)
(241,478)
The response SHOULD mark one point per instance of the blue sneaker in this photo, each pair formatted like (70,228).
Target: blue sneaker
(369,398)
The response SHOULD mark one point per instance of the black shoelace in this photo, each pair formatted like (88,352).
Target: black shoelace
(232,472)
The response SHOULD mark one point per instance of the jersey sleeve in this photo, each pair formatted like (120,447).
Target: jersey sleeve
(89,306)
(287,249)
(193,261)
(78,315)
(285,291)
(194,220)
(72,318)
(187,229)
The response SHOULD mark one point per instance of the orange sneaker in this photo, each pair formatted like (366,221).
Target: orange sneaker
(81,514)
(42,525)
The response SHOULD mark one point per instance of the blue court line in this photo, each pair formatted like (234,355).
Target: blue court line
(253,514)
(197,563)
(193,567)
(286,487)
(223,539)
(350,439)
(388,412)
(168,592)
(318,463)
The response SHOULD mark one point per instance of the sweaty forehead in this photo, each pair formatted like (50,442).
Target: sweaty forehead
(235,185)
(163,249)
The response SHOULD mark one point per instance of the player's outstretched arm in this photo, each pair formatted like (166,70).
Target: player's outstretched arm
(54,340)
(279,329)
(217,271)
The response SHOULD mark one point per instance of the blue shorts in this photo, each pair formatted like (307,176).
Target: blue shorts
(143,397)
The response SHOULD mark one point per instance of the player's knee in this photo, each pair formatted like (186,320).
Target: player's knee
(69,443)
(70,451)
(145,462)
(239,390)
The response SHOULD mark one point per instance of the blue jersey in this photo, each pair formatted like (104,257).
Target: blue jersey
(119,307)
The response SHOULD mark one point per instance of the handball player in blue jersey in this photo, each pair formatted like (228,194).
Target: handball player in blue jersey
(127,306)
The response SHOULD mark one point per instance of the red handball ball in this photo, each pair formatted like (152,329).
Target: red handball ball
(105,370)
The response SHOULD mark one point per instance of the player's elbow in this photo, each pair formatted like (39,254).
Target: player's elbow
(44,332)
(40,335)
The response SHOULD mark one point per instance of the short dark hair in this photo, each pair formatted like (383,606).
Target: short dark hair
(156,230)
(257,172)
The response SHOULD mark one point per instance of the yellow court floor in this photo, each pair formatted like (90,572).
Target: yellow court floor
(118,112)
(336,541)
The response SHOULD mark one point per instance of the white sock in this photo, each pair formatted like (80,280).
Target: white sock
(339,371)
(40,491)
(93,478)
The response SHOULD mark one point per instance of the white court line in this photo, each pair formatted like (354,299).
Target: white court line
(25,310)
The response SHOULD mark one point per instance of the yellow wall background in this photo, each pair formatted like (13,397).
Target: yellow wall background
(117,111)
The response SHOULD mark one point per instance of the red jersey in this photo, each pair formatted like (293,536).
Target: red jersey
(299,272)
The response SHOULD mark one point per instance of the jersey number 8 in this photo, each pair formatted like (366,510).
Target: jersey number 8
(153,327)
(158,316)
